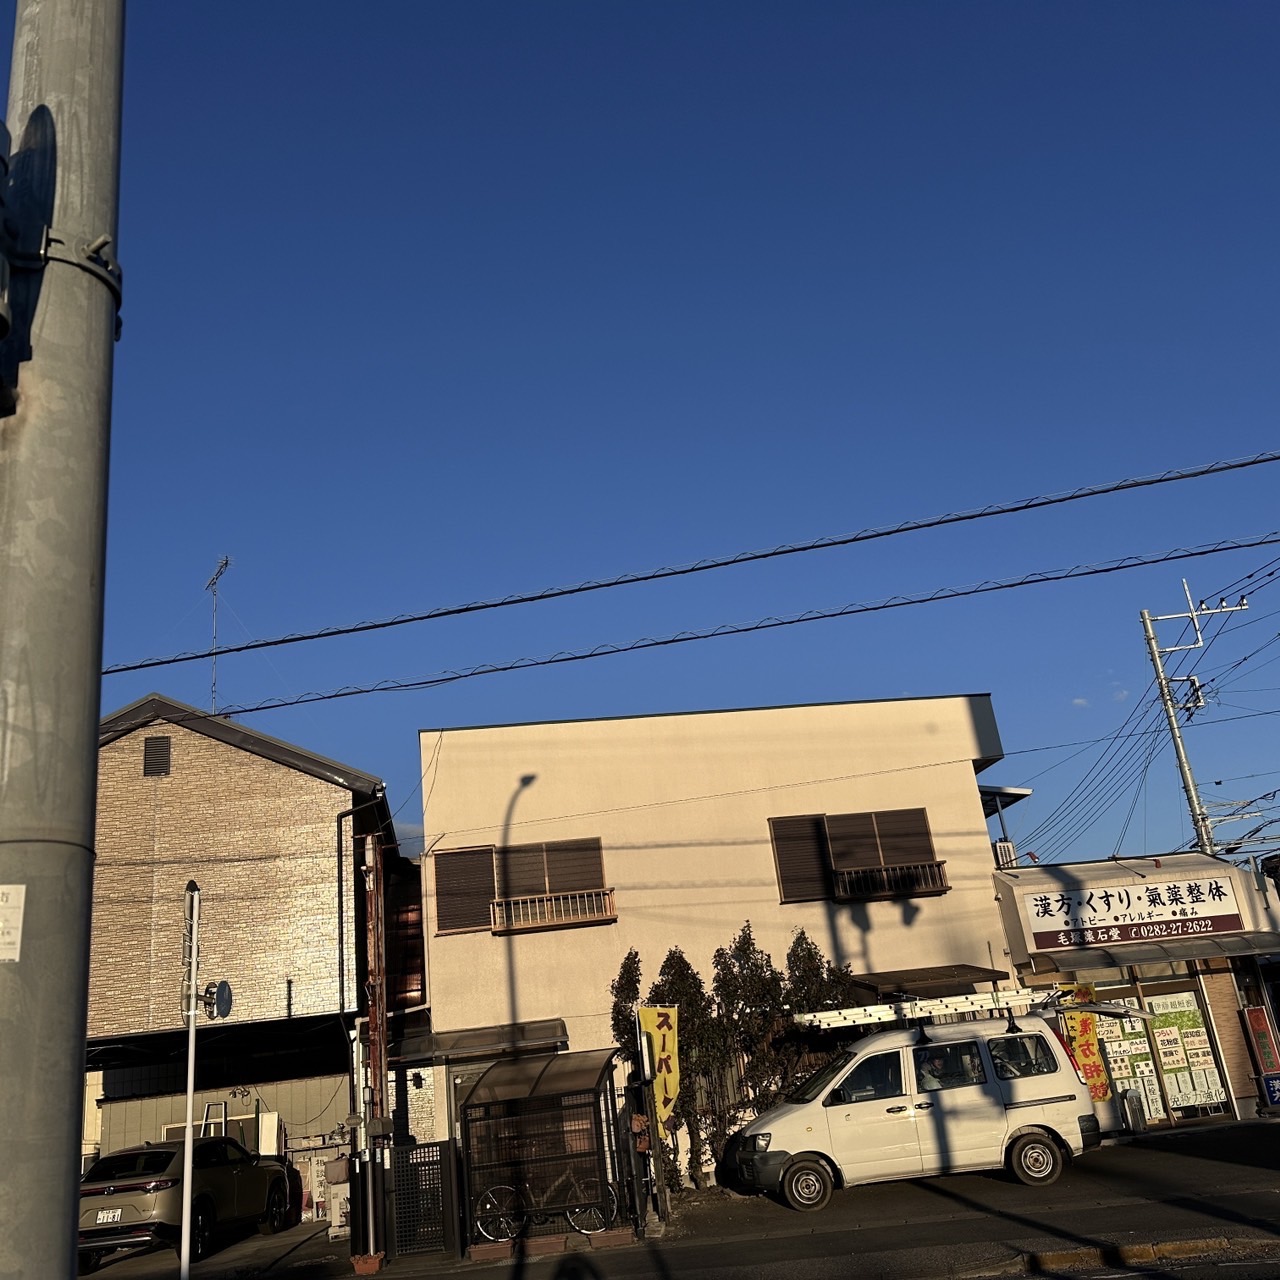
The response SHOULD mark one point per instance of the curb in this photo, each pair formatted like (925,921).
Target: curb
(1125,1255)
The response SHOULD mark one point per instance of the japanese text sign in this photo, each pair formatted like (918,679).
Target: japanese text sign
(1140,912)
(660,1025)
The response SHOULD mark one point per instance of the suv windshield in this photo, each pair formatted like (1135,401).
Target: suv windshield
(816,1084)
(129,1164)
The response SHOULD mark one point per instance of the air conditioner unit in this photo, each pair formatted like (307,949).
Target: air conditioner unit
(1006,855)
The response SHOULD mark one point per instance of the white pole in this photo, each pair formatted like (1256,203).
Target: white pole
(193,968)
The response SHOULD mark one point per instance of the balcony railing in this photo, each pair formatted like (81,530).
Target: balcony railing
(912,880)
(553,911)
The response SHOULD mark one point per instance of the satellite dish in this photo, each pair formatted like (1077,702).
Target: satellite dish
(217,999)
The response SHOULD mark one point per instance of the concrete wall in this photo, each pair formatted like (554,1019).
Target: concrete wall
(259,838)
(682,804)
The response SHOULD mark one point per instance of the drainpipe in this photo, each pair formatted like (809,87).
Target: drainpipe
(379,796)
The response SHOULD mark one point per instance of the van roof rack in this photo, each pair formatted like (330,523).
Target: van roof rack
(925,1010)
(991,1003)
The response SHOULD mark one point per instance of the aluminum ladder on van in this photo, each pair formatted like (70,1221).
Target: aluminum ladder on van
(988,1002)
(914,1010)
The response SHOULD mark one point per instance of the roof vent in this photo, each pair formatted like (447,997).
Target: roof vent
(155,757)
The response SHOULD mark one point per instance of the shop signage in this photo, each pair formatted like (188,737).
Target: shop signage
(1153,911)
(660,1025)
(1272,1085)
(1262,1039)
(1082,1035)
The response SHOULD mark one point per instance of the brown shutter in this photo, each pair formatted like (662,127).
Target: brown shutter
(853,841)
(521,872)
(464,889)
(904,837)
(575,864)
(800,854)
(155,757)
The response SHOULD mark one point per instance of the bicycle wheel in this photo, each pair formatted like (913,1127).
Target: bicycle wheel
(599,1208)
(500,1214)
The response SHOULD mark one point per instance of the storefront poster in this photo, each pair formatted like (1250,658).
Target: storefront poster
(1178,1030)
(1127,1052)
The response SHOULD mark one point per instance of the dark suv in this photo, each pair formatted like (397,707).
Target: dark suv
(134,1197)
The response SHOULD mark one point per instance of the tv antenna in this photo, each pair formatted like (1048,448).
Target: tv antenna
(212,585)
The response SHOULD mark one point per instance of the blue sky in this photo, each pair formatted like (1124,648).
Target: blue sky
(430,303)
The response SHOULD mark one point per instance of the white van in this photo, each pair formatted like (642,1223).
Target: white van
(907,1103)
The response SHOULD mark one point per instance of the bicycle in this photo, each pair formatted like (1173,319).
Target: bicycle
(503,1213)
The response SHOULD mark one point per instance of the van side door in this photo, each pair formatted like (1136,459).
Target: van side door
(959,1107)
(871,1121)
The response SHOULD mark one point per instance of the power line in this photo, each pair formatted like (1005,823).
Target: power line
(1114,767)
(765,624)
(723,562)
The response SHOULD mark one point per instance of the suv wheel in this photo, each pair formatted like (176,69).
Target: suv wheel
(203,1222)
(277,1208)
(88,1263)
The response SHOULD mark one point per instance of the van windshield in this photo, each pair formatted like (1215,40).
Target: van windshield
(816,1085)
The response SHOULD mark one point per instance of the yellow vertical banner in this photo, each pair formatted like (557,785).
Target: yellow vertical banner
(1082,1035)
(660,1025)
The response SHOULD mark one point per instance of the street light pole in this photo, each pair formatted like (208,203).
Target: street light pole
(59,231)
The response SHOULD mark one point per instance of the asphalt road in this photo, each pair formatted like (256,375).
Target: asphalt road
(1134,1209)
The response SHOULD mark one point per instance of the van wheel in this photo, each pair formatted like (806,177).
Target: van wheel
(806,1185)
(1035,1160)
(88,1263)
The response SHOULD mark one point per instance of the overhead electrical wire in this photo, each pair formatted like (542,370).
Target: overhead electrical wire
(766,624)
(1114,768)
(722,562)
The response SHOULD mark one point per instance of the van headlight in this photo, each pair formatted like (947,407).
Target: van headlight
(760,1141)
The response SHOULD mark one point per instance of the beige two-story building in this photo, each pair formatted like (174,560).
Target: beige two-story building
(551,849)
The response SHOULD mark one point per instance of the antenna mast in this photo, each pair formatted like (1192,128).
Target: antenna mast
(212,586)
(1194,700)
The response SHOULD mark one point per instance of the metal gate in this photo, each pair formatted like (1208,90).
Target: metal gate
(423,1197)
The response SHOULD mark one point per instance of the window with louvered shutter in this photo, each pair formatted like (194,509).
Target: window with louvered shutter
(904,837)
(464,889)
(853,840)
(155,757)
(574,864)
(802,859)
(522,871)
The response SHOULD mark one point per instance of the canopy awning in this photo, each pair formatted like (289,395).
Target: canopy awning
(997,799)
(935,980)
(1079,958)
(479,1042)
(542,1076)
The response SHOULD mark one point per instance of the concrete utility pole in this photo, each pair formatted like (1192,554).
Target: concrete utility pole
(1199,817)
(58,233)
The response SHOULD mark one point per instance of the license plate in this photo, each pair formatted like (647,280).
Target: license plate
(108,1215)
